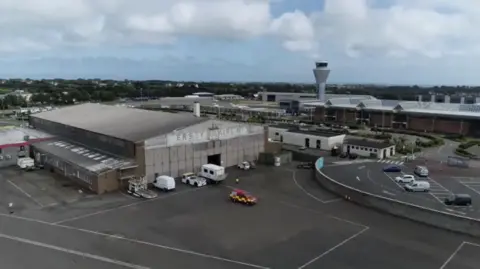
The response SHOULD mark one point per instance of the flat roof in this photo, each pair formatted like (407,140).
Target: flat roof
(89,159)
(368,143)
(316,133)
(125,123)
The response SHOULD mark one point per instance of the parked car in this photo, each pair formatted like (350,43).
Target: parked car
(392,169)
(459,199)
(418,186)
(352,156)
(421,171)
(343,155)
(164,183)
(244,166)
(405,179)
(308,165)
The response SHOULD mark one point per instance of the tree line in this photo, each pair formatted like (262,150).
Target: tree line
(60,91)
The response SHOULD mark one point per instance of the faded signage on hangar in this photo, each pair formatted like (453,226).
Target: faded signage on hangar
(207,135)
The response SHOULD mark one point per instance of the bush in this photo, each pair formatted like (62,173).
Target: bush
(434,140)
(469,144)
(462,152)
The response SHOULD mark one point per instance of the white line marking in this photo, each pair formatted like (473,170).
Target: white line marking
(74,252)
(125,206)
(140,242)
(25,193)
(361,167)
(454,211)
(472,189)
(333,248)
(396,183)
(358,178)
(389,193)
(309,194)
(452,256)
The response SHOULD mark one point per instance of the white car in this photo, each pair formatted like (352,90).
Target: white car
(244,166)
(194,181)
(405,179)
(418,186)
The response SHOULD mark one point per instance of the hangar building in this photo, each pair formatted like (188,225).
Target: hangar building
(101,146)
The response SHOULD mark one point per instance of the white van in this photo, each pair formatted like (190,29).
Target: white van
(421,171)
(213,173)
(26,163)
(418,186)
(164,183)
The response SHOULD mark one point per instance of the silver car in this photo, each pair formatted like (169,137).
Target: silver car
(421,171)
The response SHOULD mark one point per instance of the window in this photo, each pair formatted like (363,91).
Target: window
(370,149)
(375,150)
(205,170)
(1,151)
(22,148)
(211,172)
(319,143)
(276,133)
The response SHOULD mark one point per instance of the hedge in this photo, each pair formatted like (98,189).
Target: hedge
(462,152)
(462,148)
(434,140)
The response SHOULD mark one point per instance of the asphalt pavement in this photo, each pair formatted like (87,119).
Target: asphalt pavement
(296,224)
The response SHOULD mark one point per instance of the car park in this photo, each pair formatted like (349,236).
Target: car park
(405,179)
(459,200)
(421,171)
(307,165)
(417,186)
(392,169)
(240,196)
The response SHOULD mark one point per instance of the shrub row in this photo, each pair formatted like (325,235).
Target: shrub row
(469,144)
(433,140)
(462,152)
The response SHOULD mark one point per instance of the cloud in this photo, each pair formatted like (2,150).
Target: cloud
(356,28)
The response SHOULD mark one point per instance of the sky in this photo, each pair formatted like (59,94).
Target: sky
(423,42)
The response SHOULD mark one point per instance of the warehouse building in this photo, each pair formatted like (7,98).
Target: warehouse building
(15,143)
(322,140)
(101,146)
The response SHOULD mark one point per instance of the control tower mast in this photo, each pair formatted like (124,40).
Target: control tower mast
(321,73)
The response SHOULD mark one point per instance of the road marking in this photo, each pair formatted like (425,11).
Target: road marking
(309,194)
(358,178)
(452,256)
(125,206)
(140,242)
(396,183)
(361,167)
(439,192)
(469,187)
(389,193)
(333,248)
(25,193)
(74,252)
(454,211)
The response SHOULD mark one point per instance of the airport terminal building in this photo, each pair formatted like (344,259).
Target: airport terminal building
(102,146)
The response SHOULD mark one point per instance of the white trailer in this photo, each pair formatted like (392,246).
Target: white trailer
(213,173)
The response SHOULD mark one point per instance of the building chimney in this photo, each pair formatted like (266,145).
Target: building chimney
(420,98)
(196,109)
(432,98)
(447,99)
(462,100)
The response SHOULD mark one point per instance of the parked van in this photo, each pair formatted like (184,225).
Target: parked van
(459,199)
(164,183)
(418,186)
(213,173)
(421,171)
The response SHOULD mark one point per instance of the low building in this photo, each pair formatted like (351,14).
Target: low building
(15,143)
(305,138)
(369,148)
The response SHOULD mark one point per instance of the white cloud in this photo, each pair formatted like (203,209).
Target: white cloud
(432,28)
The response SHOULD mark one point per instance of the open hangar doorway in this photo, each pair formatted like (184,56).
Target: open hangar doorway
(215,159)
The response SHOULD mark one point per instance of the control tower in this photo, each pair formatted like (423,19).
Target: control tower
(321,73)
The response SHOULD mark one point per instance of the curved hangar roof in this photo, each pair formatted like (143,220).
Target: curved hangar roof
(129,124)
